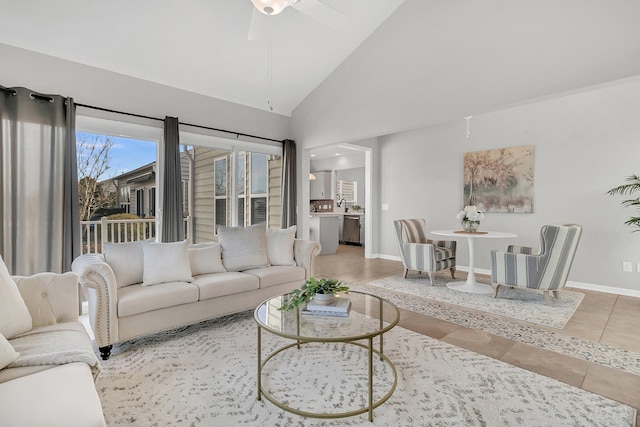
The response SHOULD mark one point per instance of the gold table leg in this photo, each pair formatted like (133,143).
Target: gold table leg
(259,363)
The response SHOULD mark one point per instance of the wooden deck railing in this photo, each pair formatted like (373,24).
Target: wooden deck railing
(96,233)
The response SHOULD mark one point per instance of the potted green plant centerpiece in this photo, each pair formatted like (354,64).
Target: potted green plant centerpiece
(321,290)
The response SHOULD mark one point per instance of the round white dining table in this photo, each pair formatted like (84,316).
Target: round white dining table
(471,285)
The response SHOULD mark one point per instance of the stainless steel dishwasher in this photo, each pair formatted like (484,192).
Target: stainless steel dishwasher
(351,230)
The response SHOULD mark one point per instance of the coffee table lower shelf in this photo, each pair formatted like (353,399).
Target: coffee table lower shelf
(369,408)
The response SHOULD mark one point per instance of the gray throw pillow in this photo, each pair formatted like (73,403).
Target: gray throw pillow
(243,248)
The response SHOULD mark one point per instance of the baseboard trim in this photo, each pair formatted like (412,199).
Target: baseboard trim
(570,283)
(602,288)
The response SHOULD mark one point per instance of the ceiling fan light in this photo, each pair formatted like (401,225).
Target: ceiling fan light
(271,7)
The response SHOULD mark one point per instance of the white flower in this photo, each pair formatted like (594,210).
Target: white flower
(470,213)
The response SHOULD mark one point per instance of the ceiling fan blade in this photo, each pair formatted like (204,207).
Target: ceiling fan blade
(322,13)
(259,26)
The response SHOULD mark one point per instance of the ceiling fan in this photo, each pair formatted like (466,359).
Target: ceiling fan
(314,9)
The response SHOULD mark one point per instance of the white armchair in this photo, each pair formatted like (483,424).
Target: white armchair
(422,254)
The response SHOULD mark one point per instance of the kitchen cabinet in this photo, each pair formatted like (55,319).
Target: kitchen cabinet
(320,188)
(324,229)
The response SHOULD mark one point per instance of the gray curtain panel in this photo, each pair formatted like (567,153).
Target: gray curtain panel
(288,183)
(40,228)
(172,220)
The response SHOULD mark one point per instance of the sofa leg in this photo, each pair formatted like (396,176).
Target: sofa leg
(453,272)
(406,270)
(105,351)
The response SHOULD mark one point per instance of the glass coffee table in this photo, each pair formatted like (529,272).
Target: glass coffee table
(370,317)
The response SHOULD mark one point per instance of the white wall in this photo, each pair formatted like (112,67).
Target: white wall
(432,61)
(585,144)
(100,88)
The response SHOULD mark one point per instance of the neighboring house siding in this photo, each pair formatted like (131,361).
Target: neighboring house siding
(203,185)
(275,193)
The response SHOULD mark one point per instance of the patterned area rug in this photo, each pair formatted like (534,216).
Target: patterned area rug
(205,375)
(514,303)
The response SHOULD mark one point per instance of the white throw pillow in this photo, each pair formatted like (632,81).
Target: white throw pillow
(243,248)
(280,246)
(15,318)
(7,353)
(205,258)
(166,262)
(125,260)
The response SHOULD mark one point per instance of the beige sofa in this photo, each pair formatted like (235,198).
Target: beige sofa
(171,289)
(49,380)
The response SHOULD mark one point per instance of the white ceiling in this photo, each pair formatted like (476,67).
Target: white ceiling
(196,45)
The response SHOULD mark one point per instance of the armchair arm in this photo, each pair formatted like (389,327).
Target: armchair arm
(97,276)
(419,256)
(305,252)
(50,297)
(514,269)
(449,244)
(527,250)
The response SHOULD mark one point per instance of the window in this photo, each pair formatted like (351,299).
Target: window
(124,198)
(220,190)
(259,179)
(140,203)
(152,202)
(347,190)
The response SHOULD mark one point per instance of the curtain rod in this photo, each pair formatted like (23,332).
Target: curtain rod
(237,134)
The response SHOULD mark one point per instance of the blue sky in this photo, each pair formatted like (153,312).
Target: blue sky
(125,154)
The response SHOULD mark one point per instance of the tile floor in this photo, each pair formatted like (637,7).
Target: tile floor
(604,318)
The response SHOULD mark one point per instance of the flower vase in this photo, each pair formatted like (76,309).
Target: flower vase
(471,226)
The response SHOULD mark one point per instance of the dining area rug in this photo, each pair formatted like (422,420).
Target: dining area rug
(519,304)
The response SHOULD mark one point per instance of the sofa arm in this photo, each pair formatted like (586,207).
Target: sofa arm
(305,252)
(97,276)
(50,297)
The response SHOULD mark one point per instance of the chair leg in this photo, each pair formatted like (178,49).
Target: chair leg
(555,294)
(547,298)
(495,289)
(406,270)
(432,278)
(453,272)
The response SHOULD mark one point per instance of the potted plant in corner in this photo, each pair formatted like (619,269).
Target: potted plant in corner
(321,290)
(633,186)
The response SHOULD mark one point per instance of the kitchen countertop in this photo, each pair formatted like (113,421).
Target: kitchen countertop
(335,213)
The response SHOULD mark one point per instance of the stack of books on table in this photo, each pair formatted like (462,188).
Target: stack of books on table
(339,308)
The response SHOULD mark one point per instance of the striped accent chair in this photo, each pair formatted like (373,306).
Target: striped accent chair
(545,268)
(422,254)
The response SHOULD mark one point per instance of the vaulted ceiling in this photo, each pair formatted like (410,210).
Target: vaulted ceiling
(200,45)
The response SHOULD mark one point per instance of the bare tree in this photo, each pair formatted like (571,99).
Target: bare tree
(93,163)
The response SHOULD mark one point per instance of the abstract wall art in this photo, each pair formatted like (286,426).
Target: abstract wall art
(500,180)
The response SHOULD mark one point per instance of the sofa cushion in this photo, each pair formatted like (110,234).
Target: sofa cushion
(220,284)
(61,396)
(14,315)
(243,248)
(125,259)
(166,262)
(7,353)
(137,299)
(205,258)
(277,275)
(280,246)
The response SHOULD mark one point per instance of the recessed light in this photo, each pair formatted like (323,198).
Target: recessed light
(313,155)
(337,154)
